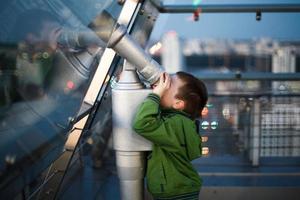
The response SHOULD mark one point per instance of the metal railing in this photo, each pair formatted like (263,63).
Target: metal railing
(226,8)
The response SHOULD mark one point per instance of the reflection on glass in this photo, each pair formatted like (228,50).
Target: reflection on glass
(48,55)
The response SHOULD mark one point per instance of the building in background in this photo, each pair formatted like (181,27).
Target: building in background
(284,61)
(272,129)
(172,56)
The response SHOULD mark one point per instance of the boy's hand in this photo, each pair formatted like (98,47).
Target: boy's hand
(164,84)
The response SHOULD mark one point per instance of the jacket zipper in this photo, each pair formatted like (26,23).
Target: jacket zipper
(164,176)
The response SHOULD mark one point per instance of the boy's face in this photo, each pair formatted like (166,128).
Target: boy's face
(168,99)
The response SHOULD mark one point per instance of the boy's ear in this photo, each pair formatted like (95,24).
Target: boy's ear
(178,104)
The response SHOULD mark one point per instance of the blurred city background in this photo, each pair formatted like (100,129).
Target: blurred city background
(250,128)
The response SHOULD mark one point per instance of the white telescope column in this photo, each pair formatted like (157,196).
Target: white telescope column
(130,147)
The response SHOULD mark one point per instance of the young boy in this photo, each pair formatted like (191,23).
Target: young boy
(166,118)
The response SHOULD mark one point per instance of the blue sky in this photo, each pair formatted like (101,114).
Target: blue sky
(282,26)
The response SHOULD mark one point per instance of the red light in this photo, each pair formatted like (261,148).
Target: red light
(70,85)
(204,112)
(197,13)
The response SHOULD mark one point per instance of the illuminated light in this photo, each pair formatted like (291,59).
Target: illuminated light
(107,79)
(204,138)
(70,85)
(196,2)
(205,150)
(209,105)
(226,113)
(282,87)
(197,13)
(155,48)
(10,159)
(45,55)
(205,125)
(214,125)
(90,141)
(204,112)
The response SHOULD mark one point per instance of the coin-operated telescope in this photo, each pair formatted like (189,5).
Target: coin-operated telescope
(127,94)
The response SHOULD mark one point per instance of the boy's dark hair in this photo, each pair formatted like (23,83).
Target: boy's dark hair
(193,93)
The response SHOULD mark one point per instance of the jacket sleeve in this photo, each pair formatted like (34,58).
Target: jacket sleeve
(148,116)
(149,123)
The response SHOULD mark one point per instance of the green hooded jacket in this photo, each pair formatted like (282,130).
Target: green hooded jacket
(175,144)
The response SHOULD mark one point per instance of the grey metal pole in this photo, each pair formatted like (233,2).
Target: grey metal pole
(131,170)
(130,147)
(228,8)
(255,134)
(124,45)
(119,40)
(244,76)
(127,94)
